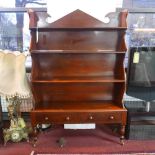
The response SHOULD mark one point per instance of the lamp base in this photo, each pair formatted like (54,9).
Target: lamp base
(16,132)
(18,129)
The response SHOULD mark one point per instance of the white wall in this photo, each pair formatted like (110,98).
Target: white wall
(96,8)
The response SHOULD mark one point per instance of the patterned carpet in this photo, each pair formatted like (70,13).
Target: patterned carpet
(101,140)
(33,153)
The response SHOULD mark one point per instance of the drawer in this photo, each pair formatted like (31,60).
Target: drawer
(77,117)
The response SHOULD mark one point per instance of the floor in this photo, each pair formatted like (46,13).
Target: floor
(103,139)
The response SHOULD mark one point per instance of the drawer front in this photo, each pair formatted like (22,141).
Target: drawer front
(77,117)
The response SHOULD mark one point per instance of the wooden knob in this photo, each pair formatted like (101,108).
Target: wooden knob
(111,117)
(91,117)
(46,118)
(67,118)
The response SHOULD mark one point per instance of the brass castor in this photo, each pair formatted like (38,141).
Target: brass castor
(122,141)
(34,142)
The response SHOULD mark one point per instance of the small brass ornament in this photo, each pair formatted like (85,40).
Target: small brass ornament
(18,129)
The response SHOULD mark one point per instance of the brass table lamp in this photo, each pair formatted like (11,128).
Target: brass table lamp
(14,86)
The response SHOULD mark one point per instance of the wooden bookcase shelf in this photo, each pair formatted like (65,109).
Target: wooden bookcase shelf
(71,80)
(80,80)
(82,106)
(78,51)
(77,71)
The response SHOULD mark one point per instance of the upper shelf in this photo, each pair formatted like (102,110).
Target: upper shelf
(77,51)
(78,31)
(78,20)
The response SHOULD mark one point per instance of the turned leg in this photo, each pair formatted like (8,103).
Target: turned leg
(122,133)
(35,138)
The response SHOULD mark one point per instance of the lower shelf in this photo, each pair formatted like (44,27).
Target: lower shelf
(79,106)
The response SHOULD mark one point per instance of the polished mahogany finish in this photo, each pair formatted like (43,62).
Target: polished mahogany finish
(77,69)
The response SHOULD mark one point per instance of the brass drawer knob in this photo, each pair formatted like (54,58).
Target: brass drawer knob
(91,117)
(67,118)
(111,117)
(46,118)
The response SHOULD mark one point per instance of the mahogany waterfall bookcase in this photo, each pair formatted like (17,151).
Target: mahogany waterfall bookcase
(77,72)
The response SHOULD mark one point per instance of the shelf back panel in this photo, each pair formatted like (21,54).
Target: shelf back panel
(67,66)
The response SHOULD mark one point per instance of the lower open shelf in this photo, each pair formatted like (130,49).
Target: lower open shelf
(96,79)
(79,106)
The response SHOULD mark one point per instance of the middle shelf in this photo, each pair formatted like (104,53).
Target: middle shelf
(84,79)
(79,67)
(49,92)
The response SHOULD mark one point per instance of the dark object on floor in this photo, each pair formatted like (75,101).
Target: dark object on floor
(142,132)
(44,127)
(61,142)
(140,123)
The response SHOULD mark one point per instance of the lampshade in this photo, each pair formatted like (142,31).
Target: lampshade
(13,80)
